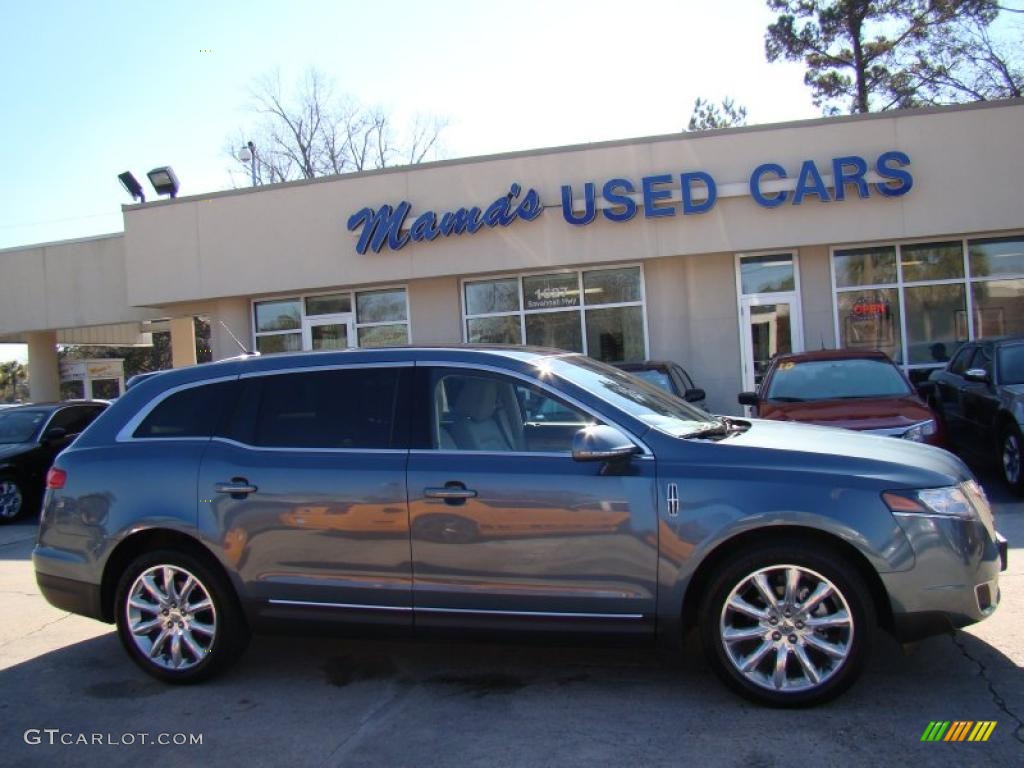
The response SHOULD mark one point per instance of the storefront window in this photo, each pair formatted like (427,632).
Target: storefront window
(380,306)
(928,307)
(334,304)
(936,321)
(490,296)
(278,315)
(932,261)
(326,321)
(865,266)
(494,330)
(767,274)
(608,324)
(998,307)
(870,320)
(279,342)
(997,256)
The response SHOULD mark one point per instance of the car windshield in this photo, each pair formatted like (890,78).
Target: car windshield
(1011,364)
(21,425)
(643,401)
(836,380)
(653,376)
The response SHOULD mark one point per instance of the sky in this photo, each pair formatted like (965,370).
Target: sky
(93,89)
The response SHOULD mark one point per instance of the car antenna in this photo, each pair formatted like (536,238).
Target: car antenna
(823,342)
(239,343)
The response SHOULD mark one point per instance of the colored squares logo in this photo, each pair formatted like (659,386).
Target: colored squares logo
(958,730)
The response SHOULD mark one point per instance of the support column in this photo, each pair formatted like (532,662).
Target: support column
(235,315)
(183,341)
(43,370)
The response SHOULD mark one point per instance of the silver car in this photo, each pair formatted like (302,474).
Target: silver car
(473,488)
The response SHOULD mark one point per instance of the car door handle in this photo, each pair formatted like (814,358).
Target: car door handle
(236,488)
(449,493)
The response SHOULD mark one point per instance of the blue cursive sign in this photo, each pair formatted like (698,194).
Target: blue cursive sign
(385,225)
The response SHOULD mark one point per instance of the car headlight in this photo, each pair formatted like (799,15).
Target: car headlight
(921,431)
(953,501)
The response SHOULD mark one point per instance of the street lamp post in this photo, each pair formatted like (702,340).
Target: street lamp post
(248,155)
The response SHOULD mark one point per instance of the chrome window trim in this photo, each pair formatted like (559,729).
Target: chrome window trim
(476,611)
(127,433)
(294,449)
(340,366)
(647,453)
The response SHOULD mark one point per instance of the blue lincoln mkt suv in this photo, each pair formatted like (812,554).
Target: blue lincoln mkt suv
(508,489)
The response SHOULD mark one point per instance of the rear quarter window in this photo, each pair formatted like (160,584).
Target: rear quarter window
(192,412)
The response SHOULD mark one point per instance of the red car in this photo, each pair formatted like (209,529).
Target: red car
(853,389)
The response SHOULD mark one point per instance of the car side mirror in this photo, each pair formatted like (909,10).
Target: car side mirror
(748,398)
(694,395)
(602,443)
(53,434)
(976,374)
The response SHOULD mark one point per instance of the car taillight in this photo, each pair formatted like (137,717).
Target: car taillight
(56,478)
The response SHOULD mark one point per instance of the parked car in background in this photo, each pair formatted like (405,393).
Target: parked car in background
(669,376)
(416,489)
(853,389)
(30,437)
(980,397)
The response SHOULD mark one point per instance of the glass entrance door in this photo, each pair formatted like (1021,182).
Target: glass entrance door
(770,328)
(328,332)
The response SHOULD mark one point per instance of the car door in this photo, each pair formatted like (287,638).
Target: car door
(73,419)
(979,403)
(947,393)
(305,490)
(506,527)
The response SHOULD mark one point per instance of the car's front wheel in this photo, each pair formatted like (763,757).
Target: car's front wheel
(786,625)
(1010,443)
(178,618)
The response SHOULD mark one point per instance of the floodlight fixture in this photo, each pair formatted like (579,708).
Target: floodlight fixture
(164,181)
(131,186)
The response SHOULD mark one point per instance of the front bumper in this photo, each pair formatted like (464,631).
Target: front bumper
(955,578)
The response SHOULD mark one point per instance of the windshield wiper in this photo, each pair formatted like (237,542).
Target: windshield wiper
(787,399)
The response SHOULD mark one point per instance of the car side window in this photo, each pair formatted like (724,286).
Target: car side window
(75,418)
(481,411)
(192,412)
(963,357)
(357,408)
(982,359)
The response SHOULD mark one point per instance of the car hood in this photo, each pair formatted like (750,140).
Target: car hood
(899,463)
(8,450)
(876,413)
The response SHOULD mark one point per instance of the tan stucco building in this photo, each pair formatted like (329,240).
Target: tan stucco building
(902,231)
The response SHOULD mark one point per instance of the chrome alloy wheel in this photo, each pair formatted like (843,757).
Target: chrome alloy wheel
(10,499)
(786,628)
(171,617)
(1011,457)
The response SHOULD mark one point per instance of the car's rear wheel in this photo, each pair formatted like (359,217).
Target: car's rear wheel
(785,625)
(1010,443)
(178,618)
(12,499)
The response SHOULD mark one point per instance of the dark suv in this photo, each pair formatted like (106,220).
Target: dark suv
(980,396)
(503,489)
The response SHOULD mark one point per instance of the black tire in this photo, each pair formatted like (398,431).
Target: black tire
(1009,458)
(816,565)
(216,651)
(14,499)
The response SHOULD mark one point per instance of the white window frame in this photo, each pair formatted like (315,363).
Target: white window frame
(581,309)
(967,280)
(303,317)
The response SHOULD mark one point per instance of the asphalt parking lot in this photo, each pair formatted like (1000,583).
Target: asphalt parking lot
(342,702)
